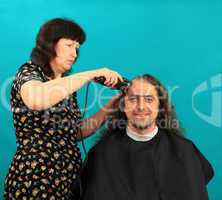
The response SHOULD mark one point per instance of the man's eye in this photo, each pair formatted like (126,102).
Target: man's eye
(132,98)
(148,99)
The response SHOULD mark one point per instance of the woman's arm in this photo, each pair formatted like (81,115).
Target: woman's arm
(39,96)
(91,124)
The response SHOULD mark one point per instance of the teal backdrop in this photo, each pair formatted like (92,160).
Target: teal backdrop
(179,42)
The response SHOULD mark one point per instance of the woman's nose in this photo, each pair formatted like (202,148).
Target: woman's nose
(74,53)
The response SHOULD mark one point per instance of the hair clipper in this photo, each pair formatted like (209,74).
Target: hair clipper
(120,85)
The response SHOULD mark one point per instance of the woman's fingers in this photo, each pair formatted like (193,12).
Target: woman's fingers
(114,80)
(108,80)
(119,77)
(112,77)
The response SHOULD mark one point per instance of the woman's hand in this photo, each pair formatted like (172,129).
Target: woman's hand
(112,77)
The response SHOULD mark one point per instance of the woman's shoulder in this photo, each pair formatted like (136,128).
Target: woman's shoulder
(28,67)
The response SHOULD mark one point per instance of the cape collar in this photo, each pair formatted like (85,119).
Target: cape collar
(141,138)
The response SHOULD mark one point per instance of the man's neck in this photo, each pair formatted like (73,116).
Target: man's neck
(146,131)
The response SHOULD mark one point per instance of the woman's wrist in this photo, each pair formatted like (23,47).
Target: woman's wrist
(92,74)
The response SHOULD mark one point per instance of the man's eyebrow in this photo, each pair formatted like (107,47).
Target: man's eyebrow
(139,95)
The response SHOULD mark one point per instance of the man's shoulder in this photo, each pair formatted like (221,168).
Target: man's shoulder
(108,140)
(181,147)
(175,138)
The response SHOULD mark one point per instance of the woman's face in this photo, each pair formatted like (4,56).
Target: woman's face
(65,55)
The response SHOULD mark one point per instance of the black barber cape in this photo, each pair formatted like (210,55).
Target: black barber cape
(168,167)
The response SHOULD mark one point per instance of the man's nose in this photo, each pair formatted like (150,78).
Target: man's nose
(141,104)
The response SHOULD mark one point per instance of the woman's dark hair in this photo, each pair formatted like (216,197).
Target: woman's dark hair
(48,36)
(166,118)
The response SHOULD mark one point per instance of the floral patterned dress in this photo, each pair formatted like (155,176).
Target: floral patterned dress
(47,161)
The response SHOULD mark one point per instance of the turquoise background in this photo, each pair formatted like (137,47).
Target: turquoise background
(180,42)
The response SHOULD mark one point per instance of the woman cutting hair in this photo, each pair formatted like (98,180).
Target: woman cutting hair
(46,116)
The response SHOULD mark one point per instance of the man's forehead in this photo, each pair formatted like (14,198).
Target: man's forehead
(140,87)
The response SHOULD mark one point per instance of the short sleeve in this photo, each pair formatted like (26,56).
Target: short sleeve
(27,72)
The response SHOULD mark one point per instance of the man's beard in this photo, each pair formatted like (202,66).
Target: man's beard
(142,124)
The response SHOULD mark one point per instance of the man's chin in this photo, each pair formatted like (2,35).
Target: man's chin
(141,126)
